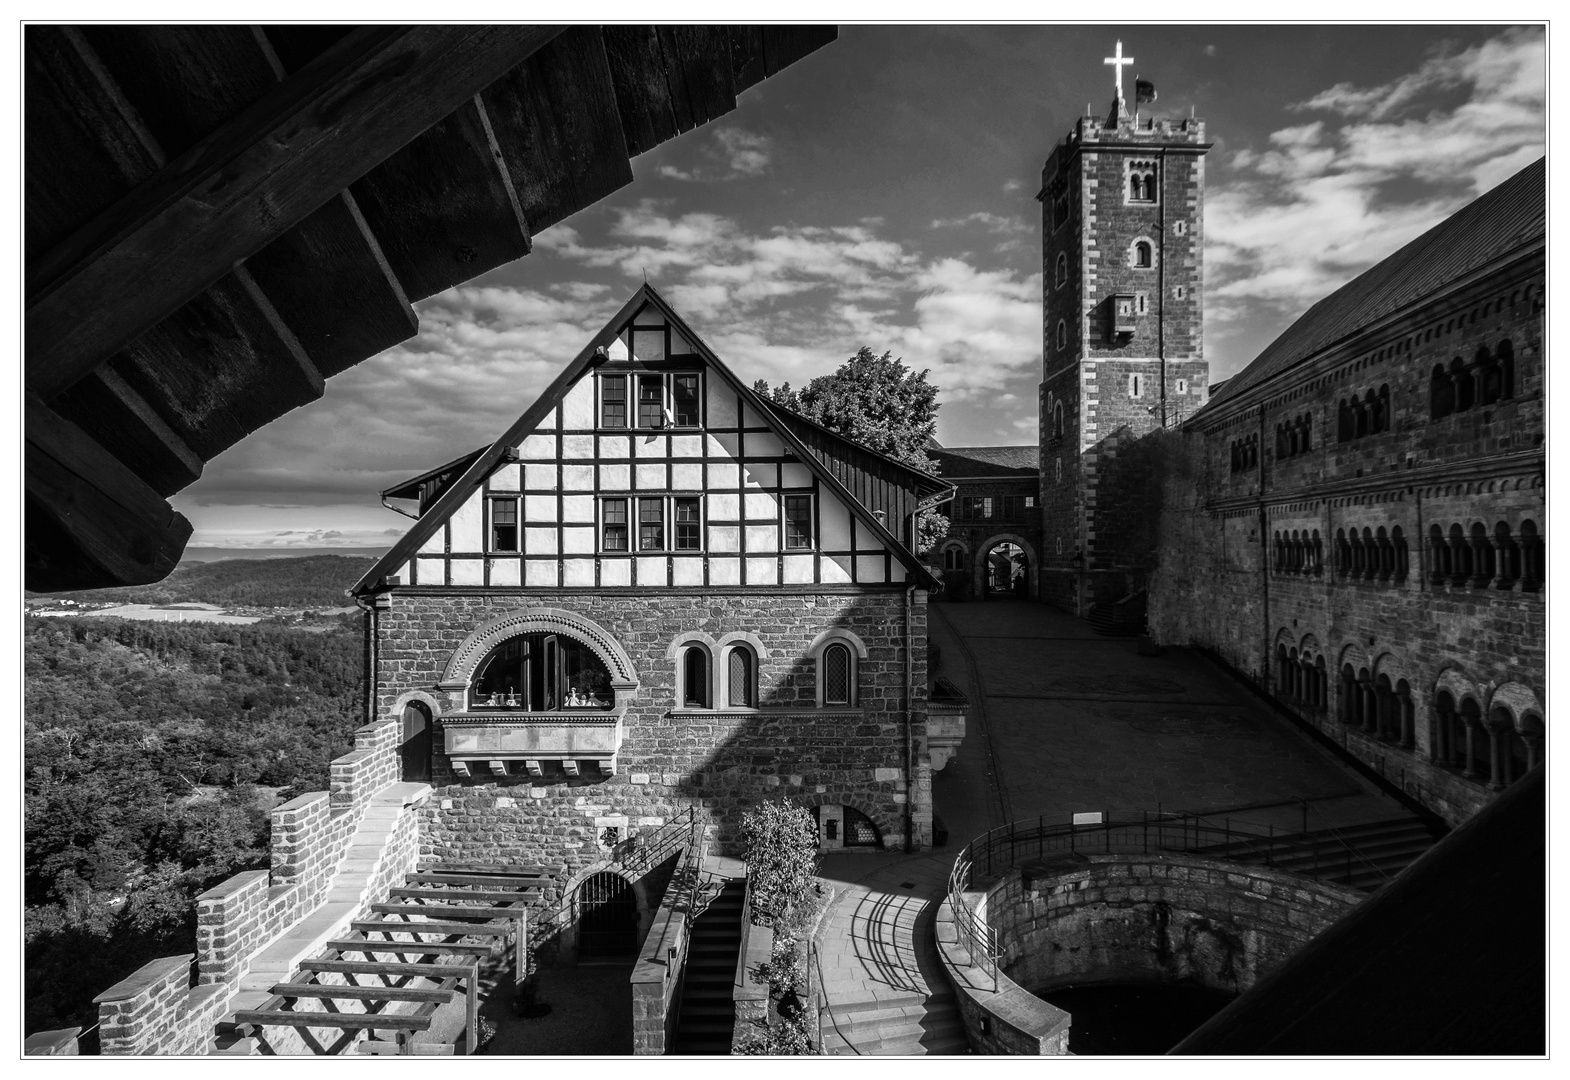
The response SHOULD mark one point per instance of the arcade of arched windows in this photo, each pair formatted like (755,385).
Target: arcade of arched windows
(1368,415)
(1299,552)
(1481,558)
(1293,436)
(1377,707)
(1496,749)
(1245,453)
(1459,385)
(1371,555)
(1302,679)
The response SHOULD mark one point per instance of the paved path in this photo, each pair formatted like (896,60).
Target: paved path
(1062,720)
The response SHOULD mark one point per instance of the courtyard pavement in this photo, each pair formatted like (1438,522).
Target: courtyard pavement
(1062,720)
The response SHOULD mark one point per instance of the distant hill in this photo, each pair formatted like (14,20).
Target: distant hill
(311,582)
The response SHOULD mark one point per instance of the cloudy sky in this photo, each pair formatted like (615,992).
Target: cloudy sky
(881,193)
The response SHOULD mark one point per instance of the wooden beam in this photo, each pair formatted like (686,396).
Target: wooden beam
(378,1021)
(411,948)
(103,401)
(394,926)
(376,967)
(258,175)
(488,868)
(361,993)
(448,911)
(114,519)
(491,897)
(525,881)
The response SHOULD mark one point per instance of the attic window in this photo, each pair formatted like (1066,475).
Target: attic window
(613,401)
(504,524)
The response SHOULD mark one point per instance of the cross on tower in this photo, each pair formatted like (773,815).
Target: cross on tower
(1119,62)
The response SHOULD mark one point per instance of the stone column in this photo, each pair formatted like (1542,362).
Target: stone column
(1408,734)
(1472,728)
(1534,750)
(1496,751)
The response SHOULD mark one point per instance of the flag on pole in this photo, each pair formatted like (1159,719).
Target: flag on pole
(1144,91)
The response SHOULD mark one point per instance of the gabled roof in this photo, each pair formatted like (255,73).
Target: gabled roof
(960,462)
(924,483)
(1501,222)
(410,488)
(481,467)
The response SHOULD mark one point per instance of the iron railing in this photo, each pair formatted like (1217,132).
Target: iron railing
(995,852)
(641,852)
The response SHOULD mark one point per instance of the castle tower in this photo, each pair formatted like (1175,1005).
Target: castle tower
(1122,222)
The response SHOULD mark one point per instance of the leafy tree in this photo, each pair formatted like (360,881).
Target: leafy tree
(880,403)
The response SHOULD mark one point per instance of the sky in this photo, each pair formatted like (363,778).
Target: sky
(881,192)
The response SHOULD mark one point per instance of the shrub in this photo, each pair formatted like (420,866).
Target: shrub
(782,860)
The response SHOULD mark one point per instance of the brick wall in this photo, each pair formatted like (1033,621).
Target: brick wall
(721,761)
(157,1011)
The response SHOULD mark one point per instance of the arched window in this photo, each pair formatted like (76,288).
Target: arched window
(1143,255)
(954,558)
(1461,377)
(1509,557)
(1060,275)
(1505,358)
(1057,420)
(837,667)
(1441,393)
(696,689)
(1533,567)
(741,678)
(1062,334)
(541,672)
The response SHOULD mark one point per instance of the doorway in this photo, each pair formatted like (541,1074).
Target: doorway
(414,749)
(1008,570)
(607,916)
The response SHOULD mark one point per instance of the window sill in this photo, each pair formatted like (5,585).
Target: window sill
(689,711)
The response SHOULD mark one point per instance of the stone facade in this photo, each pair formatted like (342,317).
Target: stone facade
(995,502)
(1122,345)
(1350,535)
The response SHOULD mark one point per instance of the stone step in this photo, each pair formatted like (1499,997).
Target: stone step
(853,1006)
(902,1027)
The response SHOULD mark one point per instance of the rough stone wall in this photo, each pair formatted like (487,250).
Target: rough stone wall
(978,537)
(719,760)
(1218,586)
(1126,918)
(156,1010)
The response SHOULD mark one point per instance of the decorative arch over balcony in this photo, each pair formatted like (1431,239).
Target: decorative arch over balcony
(485,637)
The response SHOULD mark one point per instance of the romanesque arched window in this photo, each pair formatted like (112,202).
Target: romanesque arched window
(697,691)
(1441,393)
(1142,255)
(1439,558)
(1057,420)
(541,672)
(1060,274)
(1346,427)
(1533,569)
(1461,379)
(741,677)
(1062,335)
(837,666)
(1508,557)
(1504,357)
(954,557)
(1483,562)
(1398,543)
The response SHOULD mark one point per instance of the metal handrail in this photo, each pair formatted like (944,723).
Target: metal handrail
(1347,844)
(640,853)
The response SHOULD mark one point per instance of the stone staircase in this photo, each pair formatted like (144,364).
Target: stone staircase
(910,1026)
(1123,618)
(1380,851)
(708,1011)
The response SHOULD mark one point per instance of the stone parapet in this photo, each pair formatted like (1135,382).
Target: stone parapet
(657,976)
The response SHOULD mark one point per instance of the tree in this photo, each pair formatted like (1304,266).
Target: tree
(880,403)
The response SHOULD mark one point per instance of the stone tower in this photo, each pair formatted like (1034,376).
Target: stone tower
(1122,223)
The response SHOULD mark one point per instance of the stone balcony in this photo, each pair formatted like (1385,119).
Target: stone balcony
(486,740)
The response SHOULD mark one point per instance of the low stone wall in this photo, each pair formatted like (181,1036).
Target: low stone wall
(657,976)
(158,1011)
(750,996)
(1155,917)
(1001,1017)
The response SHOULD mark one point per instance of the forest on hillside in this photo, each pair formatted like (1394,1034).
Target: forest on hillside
(312,581)
(146,744)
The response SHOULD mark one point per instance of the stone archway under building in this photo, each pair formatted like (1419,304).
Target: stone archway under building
(986,568)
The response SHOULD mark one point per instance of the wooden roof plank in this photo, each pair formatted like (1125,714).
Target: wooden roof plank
(784,44)
(558,129)
(746,53)
(331,284)
(440,209)
(411,948)
(389,1021)
(143,440)
(643,98)
(709,91)
(489,896)
(376,967)
(397,926)
(258,175)
(90,497)
(296,46)
(361,993)
(449,911)
(221,367)
(474,879)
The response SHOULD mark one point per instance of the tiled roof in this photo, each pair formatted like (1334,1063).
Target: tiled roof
(957,462)
(1509,217)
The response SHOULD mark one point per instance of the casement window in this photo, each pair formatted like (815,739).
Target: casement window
(837,655)
(651,524)
(689,524)
(741,677)
(695,688)
(837,674)
(504,524)
(684,400)
(975,508)
(613,401)
(613,520)
(1014,506)
(798,521)
(651,401)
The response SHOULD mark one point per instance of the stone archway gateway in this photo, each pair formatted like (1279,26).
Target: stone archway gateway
(1006,566)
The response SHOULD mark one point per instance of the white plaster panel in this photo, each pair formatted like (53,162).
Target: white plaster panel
(506,571)
(687,477)
(897,571)
(686,446)
(505,478)
(539,508)
(614,446)
(432,571)
(761,506)
(765,475)
(577,508)
(651,477)
(403,573)
(467,572)
(795,475)
(652,571)
(762,538)
(615,571)
(751,418)
(577,541)
(467,523)
(549,423)
(436,543)
(723,506)
(724,571)
(723,475)
(615,477)
(617,349)
(833,523)
(680,344)
(725,445)
(763,572)
(869,569)
(651,446)
(577,405)
(577,477)
(686,571)
(540,477)
(722,405)
(724,538)
(765,444)
(577,572)
(865,541)
(539,541)
(539,573)
(577,447)
(836,569)
(798,569)
(538,447)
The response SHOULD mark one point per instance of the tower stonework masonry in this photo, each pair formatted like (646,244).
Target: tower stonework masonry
(1122,215)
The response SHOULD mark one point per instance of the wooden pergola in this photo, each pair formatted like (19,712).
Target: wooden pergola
(221,218)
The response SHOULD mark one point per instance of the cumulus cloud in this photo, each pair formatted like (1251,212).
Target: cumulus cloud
(1368,169)
(731,153)
(988,222)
